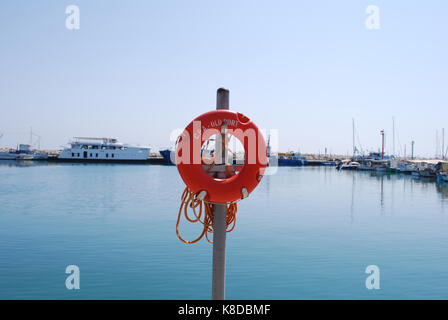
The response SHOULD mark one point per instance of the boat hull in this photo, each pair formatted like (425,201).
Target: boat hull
(348,168)
(8,156)
(290,163)
(425,174)
(442,177)
(166,154)
(102,161)
(405,171)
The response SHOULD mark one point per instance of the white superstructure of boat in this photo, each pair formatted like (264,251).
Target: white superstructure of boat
(103,149)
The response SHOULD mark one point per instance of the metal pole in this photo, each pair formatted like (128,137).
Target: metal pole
(219,219)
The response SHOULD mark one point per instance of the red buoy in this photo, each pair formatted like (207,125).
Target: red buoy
(190,164)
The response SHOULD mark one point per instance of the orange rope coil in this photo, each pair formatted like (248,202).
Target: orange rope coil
(204,216)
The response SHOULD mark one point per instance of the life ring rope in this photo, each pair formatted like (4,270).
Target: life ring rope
(204,216)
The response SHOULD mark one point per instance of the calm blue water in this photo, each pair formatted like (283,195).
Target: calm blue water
(303,233)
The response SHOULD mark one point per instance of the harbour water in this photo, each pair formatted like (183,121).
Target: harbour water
(305,232)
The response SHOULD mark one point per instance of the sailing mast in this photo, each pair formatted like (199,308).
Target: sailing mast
(353,131)
(393,136)
(382,144)
(437,144)
(443,143)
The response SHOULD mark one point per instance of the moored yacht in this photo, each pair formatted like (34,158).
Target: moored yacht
(23,152)
(168,156)
(291,159)
(353,165)
(83,149)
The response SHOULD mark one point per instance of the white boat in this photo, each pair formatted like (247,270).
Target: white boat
(83,149)
(350,166)
(25,156)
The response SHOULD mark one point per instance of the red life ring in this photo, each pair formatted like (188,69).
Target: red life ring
(189,162)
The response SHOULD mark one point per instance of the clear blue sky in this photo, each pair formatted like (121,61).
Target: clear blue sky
(138,69)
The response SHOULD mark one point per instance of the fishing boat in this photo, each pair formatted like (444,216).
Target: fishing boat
(442,176)
(424,173)
(405,168)
(8,155)
(291,159)
(427,173)
(23,152)
(86,149)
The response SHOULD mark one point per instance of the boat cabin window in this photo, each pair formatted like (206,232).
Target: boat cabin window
(112,155)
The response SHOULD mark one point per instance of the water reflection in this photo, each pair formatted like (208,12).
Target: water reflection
(352,207)
(387,189)
(442,188)
(25,163)
(384,180)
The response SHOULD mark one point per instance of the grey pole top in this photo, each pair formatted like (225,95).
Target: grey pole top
(222,99)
